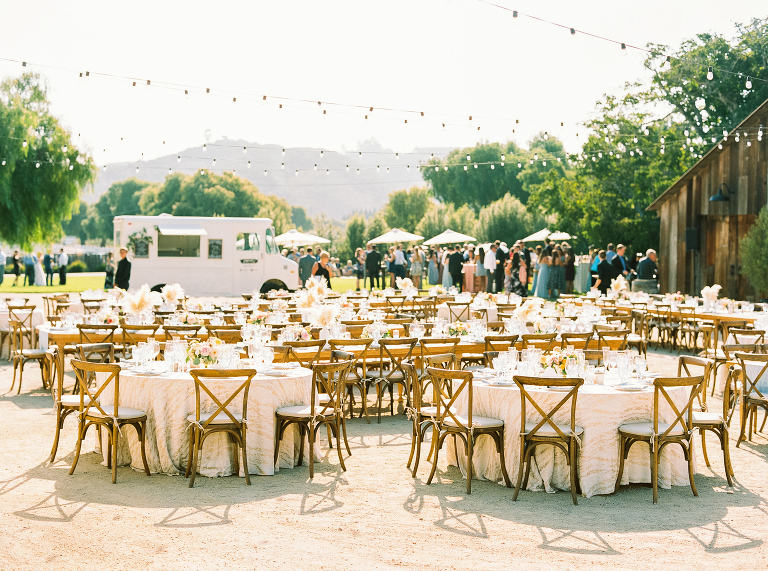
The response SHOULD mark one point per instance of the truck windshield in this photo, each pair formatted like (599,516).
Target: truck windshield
(248,241)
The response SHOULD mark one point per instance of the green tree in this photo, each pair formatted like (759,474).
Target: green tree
(375,227)
(505,219)
(41,171)
(711,106)
(476,187)
(355,233)
(75,225)
(405,208)
(122,198)
(546,155)
(754,253)
(300,220)
(441,217)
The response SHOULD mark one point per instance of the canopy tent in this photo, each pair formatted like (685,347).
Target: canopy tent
(537,236)
(295,238)
(449,237)
(396,235)
(560,236)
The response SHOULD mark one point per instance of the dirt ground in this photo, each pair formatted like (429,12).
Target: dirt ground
(374,516)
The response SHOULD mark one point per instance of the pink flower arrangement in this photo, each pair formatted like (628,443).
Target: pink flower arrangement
(557,359)
(204,353)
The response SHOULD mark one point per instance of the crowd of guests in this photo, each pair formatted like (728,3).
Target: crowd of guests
(36,269)
(544,271)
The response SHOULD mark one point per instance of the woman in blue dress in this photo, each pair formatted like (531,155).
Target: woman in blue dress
(432,276)
(543,277)
(480,271)
(447,280)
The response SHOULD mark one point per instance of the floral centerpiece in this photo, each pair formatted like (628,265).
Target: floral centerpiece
(190,319)
(529,309)
(457,329)
(676,297)
(486,297)
(437,290)
(709,295)
(367,332)
(619,287)
(279,293)
(403,283)
(319,286)
(557,360)
(204,353)
(325,316)
(307,300)
(110,318)
(279,305)
(376,294)
(142,300)
(258,318)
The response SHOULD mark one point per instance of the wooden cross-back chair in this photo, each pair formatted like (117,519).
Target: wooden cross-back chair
(752,399)
(744,336)
(110,417)
(426,307)
(500,342)
(223,419)
(543,341)
(566,437)
(394,303)
(227,333)
(467,427)
(458,311)
(577,340)
(97,333)
(357,352)
(703,419)
(181,331)
(727,354)
(594,355)
(616,340)
(331,380)
(690,327)
(23,314)
(21,356)
(90,307)
(427,328)
(496,327)
(306,352)
(658,434)
(134,334)
(392,353)
(436,346)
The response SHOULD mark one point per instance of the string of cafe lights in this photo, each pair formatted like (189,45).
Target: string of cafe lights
(623,45)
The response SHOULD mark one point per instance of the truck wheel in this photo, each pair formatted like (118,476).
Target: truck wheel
(270,285)
(158,288)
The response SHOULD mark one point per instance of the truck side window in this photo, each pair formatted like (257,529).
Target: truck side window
(248,241)
(271,245)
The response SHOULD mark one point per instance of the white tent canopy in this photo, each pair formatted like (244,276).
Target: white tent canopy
(449,237)
(396,235)
(295,238)
(560,236)
(537,236)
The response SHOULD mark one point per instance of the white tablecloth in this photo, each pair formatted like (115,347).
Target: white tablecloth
(599,410)
(444,313)
(168,400)
(38,317)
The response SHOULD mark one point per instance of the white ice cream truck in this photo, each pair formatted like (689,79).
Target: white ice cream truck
(208,256)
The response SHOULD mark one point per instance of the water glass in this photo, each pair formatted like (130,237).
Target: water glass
(572,367)
(640,367)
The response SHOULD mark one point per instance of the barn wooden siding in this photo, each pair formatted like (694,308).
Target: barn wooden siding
(719,226)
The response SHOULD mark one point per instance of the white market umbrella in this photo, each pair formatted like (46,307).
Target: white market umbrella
(396,235)
(295,238)
(560,236)
(537,236)
(449,237)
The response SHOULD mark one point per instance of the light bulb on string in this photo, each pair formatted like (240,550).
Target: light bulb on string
(737,138)
(710,73)
(686,133)
(635,139)
(137,169)
(358,171)
(544,163)
(646,131)
(749,82)
(397,156)
(519,165)
(205,147)
(559,160)
(186,94)
(327,171)
(594,160)
(531,161)
(387,170)
(71,167)
(378,168)
(408,168)
(104,168)
(502,156)
(720,146)
(714,139)
(249,164)
(64,149)
(282,166)
(465,167)
(493,167)
(214,162)
(245,150)
(178,158)
(536,156)
(283,152)
(297,172)
(749,143)
(265,172)
(170,170)
(475,165)
(437,169)
(468,157)
(315,166)
(600,155)
(24,144)
(321,154)
(661,140)
(444,168)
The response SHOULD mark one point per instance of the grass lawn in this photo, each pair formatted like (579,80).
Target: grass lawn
(75,283)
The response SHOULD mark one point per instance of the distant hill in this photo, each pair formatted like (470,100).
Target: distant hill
(337,194)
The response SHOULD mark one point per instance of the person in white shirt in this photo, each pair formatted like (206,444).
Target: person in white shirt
(399,262)
(2,267)
(63,261)
(490,266)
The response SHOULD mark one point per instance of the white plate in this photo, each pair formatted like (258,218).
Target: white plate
(630,388)
(145,372)
(495,383)
(556,388)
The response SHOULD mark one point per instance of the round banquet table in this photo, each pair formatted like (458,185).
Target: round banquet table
(600,409)
(170,397)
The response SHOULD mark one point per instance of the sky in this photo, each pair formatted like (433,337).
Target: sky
(448,58)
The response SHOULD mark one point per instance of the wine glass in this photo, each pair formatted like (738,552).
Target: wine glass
(572,366)
(640,366)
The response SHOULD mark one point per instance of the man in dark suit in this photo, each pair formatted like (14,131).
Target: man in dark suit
(123,273)
(455,265)
(373,266)
(501,259)
(306,263)
(605,273)
(619,263)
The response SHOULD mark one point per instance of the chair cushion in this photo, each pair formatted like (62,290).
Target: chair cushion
(432,410)
(646,429)
(33,353)
(221,418)
(73,401)
(547,430)
(303,411)
(700,417)
(123,412)
(634,338)
(478,421)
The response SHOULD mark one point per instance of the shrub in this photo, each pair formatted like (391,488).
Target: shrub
(754,253)
(77,267)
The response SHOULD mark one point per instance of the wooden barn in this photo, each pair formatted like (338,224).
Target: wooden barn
(710,208)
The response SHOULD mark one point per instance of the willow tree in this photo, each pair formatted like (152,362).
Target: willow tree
(41,171)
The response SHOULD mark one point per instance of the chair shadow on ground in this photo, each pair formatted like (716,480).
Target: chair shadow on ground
(581,529)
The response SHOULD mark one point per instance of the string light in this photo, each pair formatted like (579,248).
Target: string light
(24,144)
(327,171)
(71,167)
(283,152)
(493,167)
(315,166)
(3,162)
(245,150)
(468,157)
(205,147)
(502,157)
(749,82)
(321,154)
(297,172)
(137,169)
(710,73)
(465,167)
(347,168)
(178,158)
(282,166)
(249,164)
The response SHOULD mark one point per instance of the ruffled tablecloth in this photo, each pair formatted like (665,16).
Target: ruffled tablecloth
(38,317)
(600,410)
(169,398)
